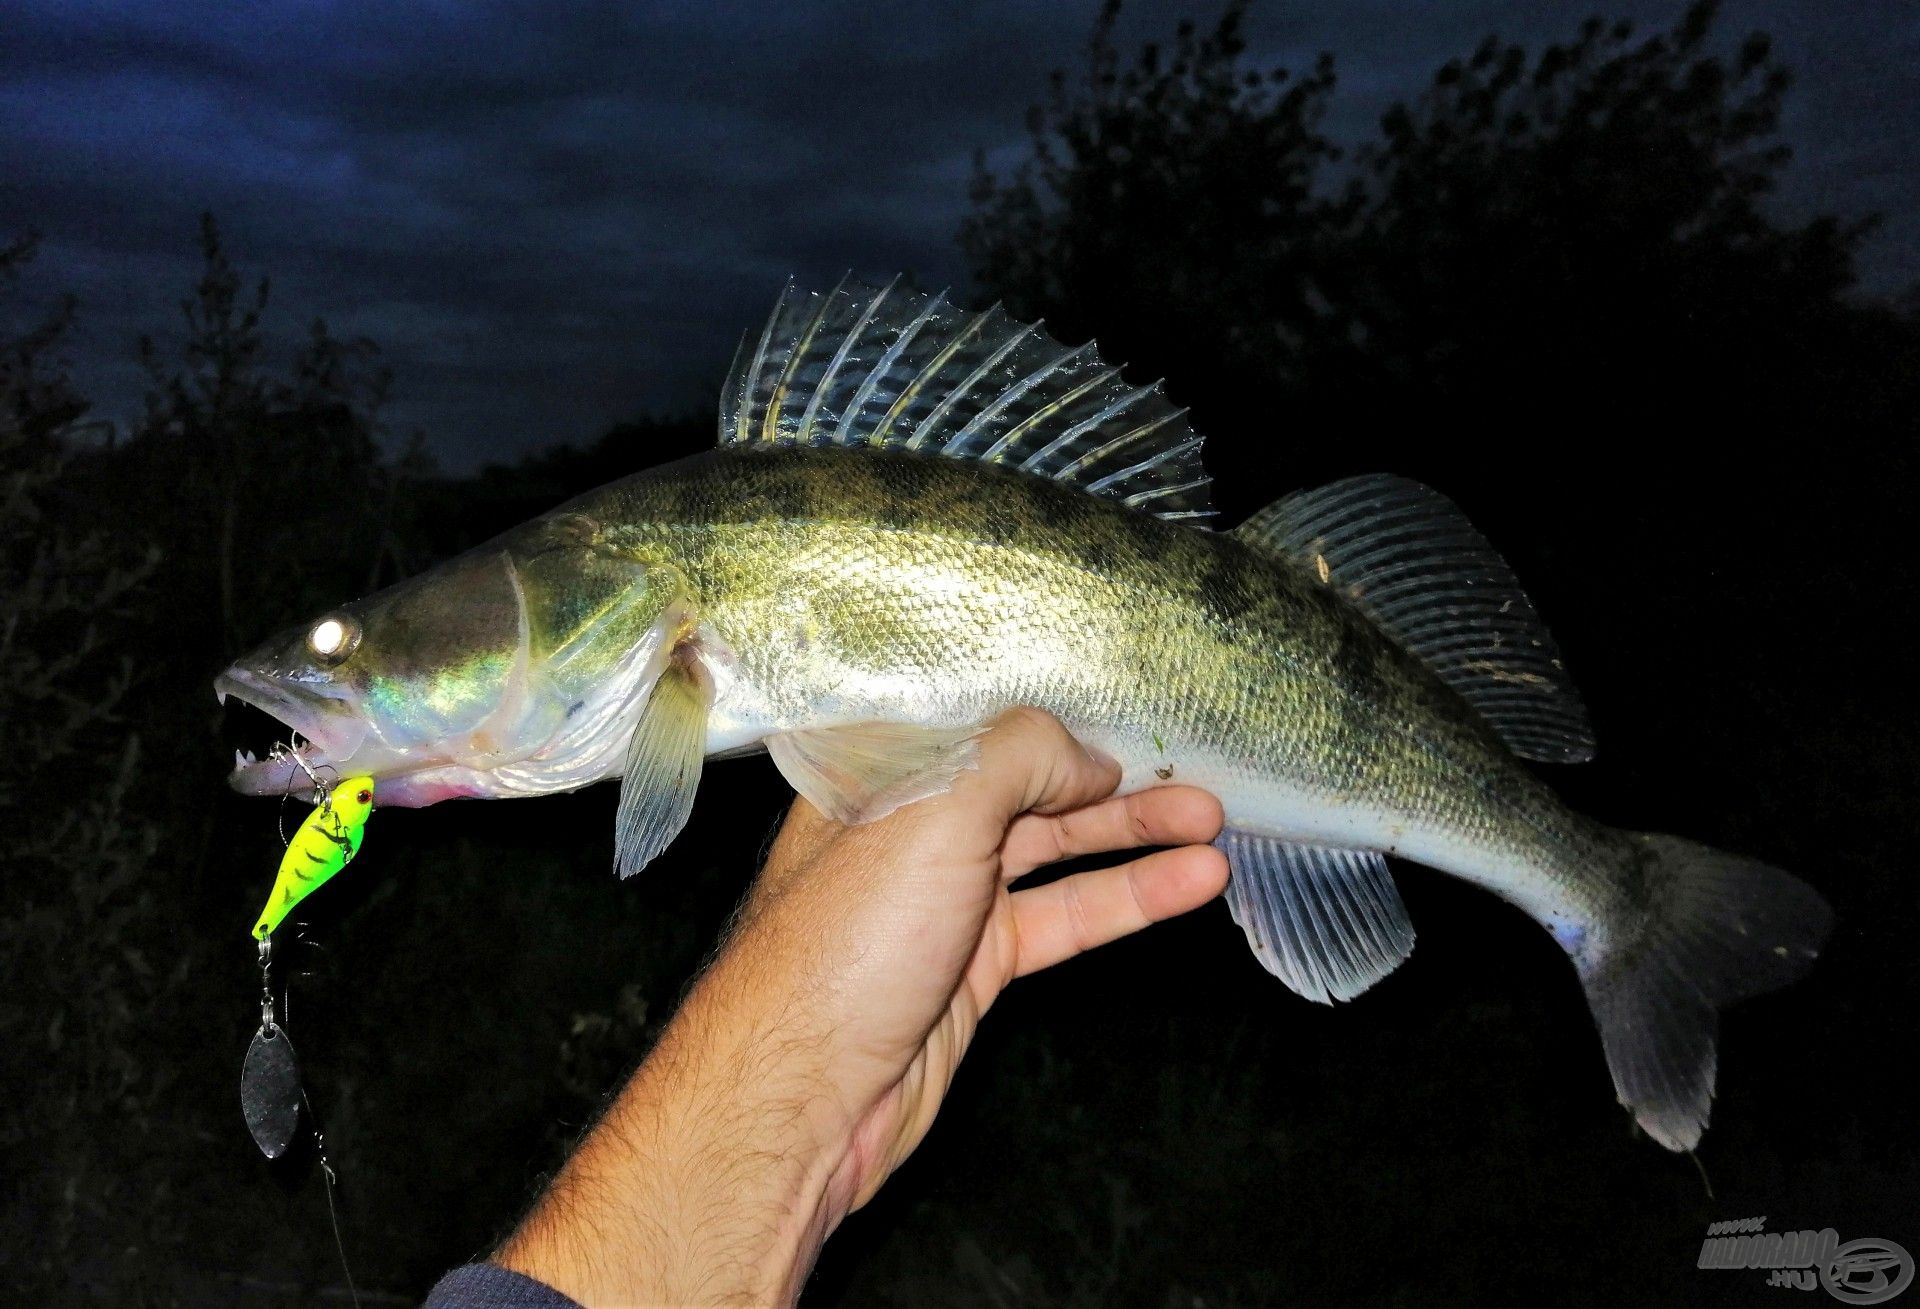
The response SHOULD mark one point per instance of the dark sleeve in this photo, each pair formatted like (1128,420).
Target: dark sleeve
(489,1286)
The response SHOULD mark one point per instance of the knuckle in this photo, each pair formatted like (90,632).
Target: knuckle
(1134,898)
(1079,921)
(1060,843)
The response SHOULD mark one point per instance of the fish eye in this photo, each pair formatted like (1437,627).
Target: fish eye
(332,639)
(364,797)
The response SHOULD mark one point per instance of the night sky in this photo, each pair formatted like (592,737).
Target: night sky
(553,217)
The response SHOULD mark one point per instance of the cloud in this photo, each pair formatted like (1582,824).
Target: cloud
(553,217)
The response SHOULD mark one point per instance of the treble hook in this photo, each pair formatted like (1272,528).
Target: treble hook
(282,752)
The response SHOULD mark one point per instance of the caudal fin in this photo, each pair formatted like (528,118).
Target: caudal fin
(1717,928)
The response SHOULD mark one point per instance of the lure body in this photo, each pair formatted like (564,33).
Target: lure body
(325,843)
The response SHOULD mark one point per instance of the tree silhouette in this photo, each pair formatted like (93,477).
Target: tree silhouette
(1172,206)
(279,489)
(128,568)
(81,934)
(1567,252)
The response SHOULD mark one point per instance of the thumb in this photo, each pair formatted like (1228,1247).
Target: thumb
(1029,763)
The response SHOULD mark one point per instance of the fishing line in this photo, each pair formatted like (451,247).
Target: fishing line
(1704,1180)
(272,1096)
(272,1092)
(333,1215)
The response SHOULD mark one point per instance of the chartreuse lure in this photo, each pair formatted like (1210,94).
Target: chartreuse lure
(324,844)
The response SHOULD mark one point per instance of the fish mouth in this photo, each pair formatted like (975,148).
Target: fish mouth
(327,737)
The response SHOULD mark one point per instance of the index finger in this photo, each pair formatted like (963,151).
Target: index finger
(1162,815)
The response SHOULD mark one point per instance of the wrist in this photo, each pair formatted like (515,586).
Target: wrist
(713,1178)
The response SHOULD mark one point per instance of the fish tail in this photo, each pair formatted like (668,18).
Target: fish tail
(1705,929)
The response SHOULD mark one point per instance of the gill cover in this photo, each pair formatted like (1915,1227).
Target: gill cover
(623,663)
(600,627)
(518,668)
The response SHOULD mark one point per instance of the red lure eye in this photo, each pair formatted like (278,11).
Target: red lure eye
(365,797)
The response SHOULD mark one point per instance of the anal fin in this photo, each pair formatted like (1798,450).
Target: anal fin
(865,771)
(1327,922)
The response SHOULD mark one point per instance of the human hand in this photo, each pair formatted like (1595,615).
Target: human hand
(812,1056)
(904,931)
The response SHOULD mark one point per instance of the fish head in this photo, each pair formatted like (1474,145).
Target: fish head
(514,669)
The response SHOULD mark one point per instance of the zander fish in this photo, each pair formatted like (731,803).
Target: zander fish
(918,517)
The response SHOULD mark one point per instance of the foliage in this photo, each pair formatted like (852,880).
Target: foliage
(79,973)
(131,568)
(262,466)
(1577,239)
(1198,177)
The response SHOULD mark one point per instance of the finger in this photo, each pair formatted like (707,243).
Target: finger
(1057,921)
(1028,761)
(1165,815)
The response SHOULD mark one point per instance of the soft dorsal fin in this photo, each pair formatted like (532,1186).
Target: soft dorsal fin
(891,367)
(1409,560)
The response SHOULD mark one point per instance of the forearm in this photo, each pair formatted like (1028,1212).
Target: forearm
(811,1057)
(712,1179)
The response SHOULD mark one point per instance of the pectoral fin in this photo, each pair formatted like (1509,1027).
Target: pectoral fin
(663,765)
(866,771)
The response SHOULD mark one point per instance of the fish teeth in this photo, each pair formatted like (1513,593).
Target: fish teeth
(221,696)
(242,758)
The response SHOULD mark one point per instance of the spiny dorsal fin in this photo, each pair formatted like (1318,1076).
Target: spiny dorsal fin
(1409,560)
(899,368)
